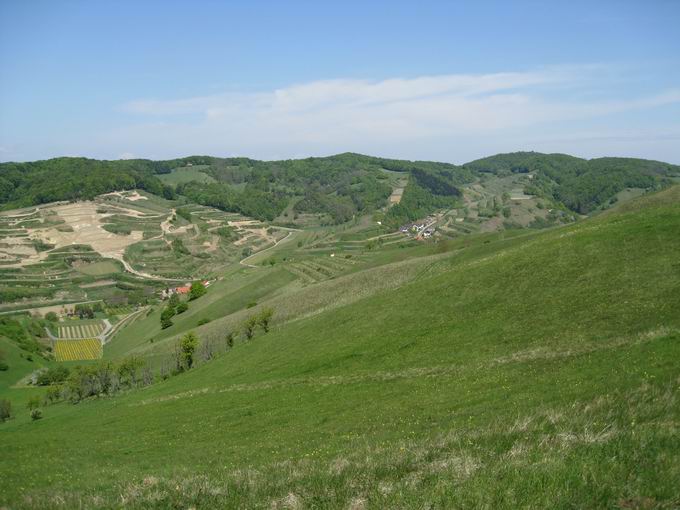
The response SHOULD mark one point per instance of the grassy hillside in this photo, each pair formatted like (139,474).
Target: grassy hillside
(534,371)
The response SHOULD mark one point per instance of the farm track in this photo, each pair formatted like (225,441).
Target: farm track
(243,262)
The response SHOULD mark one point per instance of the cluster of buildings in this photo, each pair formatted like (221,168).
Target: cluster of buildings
(422,229)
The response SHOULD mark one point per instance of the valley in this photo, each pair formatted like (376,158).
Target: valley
(473,332)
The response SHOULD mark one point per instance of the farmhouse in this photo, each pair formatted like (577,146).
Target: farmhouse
(181,290)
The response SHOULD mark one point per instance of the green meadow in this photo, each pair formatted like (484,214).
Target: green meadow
(518,370)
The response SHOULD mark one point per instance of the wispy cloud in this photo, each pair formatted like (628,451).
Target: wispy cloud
(335,115)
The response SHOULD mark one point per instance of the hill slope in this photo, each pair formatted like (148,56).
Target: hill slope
(535,371)
(337,188)
(581,185)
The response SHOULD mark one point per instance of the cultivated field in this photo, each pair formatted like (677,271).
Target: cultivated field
(89,330)
(77,350)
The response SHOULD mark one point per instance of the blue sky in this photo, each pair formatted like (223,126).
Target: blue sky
(448,81)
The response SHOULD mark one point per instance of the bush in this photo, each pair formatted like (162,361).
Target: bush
(249,326)
(3,366)
(53,394)
(5,410)
(51,316)
(188,346)
(182,307)
(36,414)
(173,301)
(203,321)
(197,290)
(53,375)
(33,402)
(179,248)
(166,316)
(264,319)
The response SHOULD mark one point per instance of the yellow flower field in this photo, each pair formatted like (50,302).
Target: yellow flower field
(76,350)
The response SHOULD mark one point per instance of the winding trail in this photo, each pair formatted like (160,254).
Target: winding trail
(290,233)
(148,276)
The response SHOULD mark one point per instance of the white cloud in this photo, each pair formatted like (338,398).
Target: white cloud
(584,110)
(338,115)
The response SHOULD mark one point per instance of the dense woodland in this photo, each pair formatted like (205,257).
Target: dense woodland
(336,187)
(581,185)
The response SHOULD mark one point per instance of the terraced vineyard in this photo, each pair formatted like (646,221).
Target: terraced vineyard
(90,330)
(77,350)
(318,269)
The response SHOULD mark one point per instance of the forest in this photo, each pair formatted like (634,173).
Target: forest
(581,185)
(338,187)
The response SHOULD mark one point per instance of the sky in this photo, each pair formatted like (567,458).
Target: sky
(446,81)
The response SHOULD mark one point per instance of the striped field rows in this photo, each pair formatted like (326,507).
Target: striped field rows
(77,350)
(81,331)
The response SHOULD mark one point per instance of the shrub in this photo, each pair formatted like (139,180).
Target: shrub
(52,375)
(179,248)
(182,307)
(230,339)
(197,290)
(53,394)
(188,346)
(166,316)
(5,410)
(33,402)
(249,326)
(3,366)
(36,414)
(203,321)
(51,316)
(264,319)
(174,301)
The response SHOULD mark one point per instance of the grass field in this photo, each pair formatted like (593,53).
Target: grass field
(186,174)
(77,350)
(534,371)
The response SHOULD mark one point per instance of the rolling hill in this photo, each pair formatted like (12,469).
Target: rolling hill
(527,368)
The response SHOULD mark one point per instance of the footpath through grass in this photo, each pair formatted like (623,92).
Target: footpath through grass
(540,373)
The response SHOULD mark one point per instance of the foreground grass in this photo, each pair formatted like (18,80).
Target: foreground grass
(540,373)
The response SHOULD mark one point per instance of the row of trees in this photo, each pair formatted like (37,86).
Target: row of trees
(189,350)
(262,319)
(107,378)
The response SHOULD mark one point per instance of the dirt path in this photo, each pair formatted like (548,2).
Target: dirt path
(130,269)
(243,262)
(110,333)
